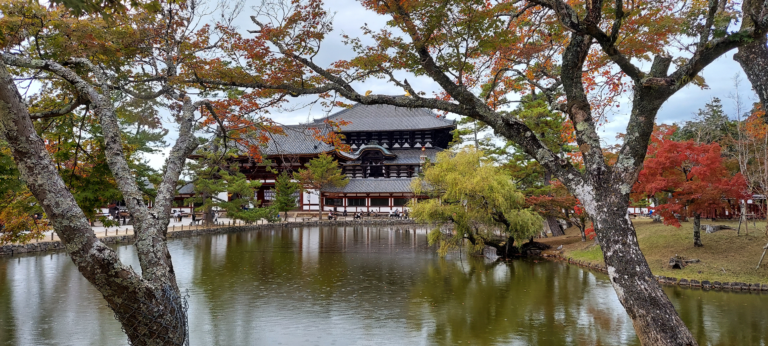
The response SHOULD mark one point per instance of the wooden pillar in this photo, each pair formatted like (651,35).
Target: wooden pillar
(320,193)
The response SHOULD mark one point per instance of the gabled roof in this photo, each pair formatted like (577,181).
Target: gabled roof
(298,139)
(187,189)
(369,118)
(370,185)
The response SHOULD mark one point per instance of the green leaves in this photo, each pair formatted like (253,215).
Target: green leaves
(285,189)
(322,171)
(211,178)
(478,197)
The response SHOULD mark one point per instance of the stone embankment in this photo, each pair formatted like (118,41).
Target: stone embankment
(664,280)
(44,246)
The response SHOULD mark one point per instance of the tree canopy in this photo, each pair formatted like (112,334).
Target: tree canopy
(689,179)
(477,198)
(285,193)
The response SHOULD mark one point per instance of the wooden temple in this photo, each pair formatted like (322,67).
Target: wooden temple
(388,146)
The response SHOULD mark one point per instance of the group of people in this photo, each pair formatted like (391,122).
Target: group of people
(396,214)
(177,215)
(116,214)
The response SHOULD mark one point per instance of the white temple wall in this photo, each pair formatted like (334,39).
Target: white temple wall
(310,201)
(224,196)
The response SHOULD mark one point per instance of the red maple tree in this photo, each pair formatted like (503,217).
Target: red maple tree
(687,179)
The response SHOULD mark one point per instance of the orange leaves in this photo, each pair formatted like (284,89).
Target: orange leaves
(755,125)
(332,135)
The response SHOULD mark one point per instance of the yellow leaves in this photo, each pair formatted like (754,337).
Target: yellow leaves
(407,93)
(473,194)
(368,93)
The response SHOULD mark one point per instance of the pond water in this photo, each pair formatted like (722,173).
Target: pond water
(358,286)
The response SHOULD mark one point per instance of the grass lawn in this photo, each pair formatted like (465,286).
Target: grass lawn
(725,256)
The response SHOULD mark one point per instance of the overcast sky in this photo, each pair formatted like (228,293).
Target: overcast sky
(350,16)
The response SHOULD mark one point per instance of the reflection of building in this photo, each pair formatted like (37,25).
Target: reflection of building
(388,146)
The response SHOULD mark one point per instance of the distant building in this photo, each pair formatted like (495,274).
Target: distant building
(388,147)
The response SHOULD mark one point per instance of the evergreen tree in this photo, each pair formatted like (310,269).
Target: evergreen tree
(211,177)
(478,134)
(321,172)
(285,193)
(76,145)
(711,125)
(552,201)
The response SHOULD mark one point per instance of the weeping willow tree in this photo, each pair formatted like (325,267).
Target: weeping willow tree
(478,198)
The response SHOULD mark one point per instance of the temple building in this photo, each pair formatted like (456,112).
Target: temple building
(388,146)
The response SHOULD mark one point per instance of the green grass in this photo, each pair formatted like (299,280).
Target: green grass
(725,256)
(593,254)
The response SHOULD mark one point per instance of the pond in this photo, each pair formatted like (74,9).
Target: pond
(358,286)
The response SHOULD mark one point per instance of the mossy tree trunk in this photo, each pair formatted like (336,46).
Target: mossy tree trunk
(149,306)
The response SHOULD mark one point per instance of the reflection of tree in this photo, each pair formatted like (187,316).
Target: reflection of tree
(6,312)
(534,304)
(45,300)
(722,318)
(357,282)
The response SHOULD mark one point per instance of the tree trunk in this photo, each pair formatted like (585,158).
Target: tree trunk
(583,234)
(568,222)
(508,250)
(742,216)
(656,217)
(753,58)
(151,311)
(697,230)
(551,221)
(207,217)
(554,226)
(653,316)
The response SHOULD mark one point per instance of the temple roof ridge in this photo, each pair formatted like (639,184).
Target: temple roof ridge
(369,118)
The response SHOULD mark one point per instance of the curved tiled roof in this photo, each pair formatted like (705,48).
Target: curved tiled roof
(298,139)
(369,185)
(295,139)
(367,118)
(301,139)
(187,189)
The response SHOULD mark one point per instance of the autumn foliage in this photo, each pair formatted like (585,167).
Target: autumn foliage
(687,178)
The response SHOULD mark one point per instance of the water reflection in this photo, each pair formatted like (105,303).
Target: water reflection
(356,286)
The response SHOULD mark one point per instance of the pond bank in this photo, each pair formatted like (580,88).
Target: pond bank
(45,246)
(670,281)
(727,261)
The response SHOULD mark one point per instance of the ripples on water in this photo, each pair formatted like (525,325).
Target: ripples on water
(357,286)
